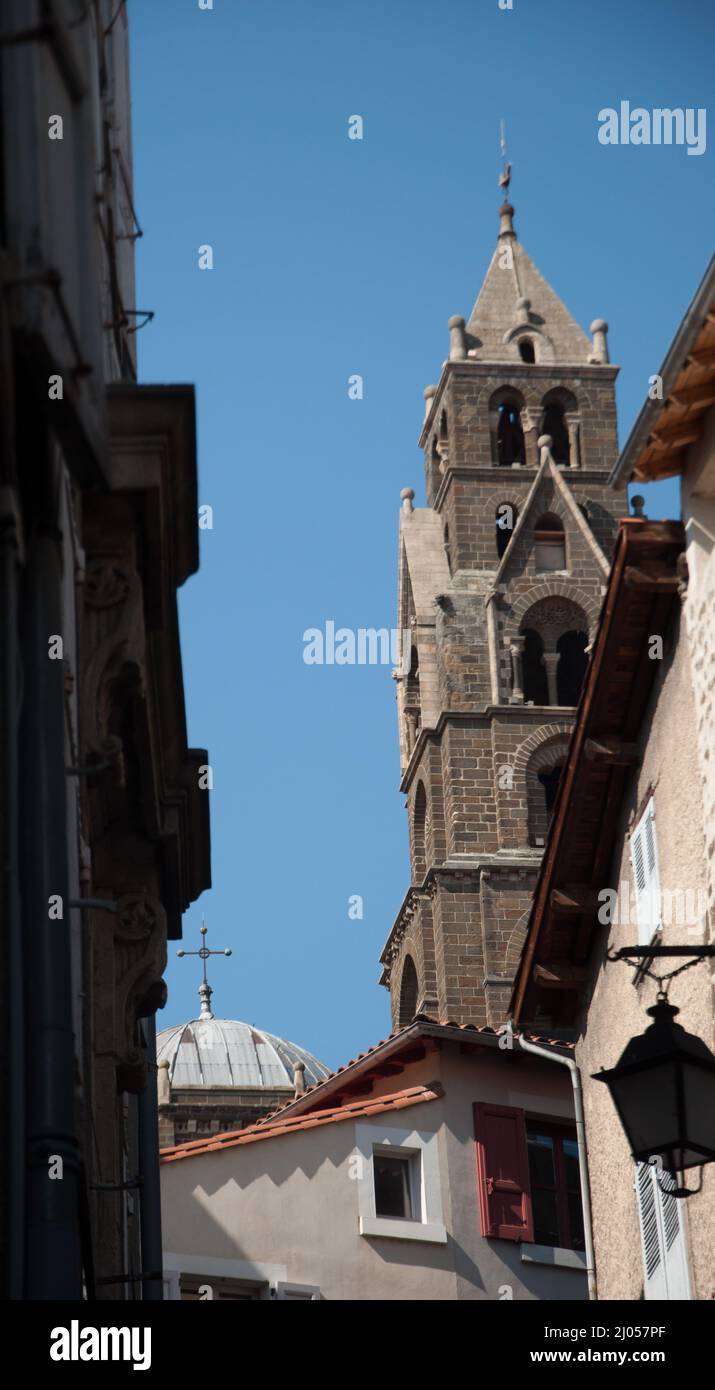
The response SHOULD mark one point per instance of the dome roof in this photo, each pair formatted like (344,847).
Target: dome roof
(212,1051)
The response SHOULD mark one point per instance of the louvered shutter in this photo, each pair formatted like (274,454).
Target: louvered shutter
(665,1258)
(503,1172)
(653,1263)
(646,876)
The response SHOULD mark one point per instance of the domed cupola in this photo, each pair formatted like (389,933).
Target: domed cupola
(219,1074)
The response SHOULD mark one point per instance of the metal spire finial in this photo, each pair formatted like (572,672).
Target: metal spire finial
(205,990)
(505,175)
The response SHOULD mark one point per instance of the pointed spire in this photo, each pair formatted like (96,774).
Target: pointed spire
(516,302)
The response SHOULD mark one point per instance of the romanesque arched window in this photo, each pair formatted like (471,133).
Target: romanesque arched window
(549,779)
(543,775)
(407,1007)
(559,408)
(526,350)
(549,543)
(413,707)
(435,467)
(536,691)
(553,660)
(506,519)
(571,669)
(510,436)
(419,834)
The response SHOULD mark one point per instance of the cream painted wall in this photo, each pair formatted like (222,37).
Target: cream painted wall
(291,1202)
(698,497)
(617,1009)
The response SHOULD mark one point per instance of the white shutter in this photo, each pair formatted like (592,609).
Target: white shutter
(653,1263)
(646,875)
(665,1257)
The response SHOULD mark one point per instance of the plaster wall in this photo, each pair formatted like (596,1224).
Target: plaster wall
(292,1202)
(616,1011)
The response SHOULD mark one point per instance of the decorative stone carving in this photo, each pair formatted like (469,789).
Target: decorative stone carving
(113,670)
(140,961)
(554,616)
(106,584)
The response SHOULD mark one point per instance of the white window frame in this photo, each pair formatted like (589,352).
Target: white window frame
(646,875)
(303,1293)
(412,1158)
(421,1146)
(662,1232)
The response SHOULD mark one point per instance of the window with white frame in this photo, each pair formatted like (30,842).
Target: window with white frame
(665,1258)
(396,1179)
(398,1184)
(646,876)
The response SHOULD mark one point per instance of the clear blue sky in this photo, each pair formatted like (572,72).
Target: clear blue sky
(333,257)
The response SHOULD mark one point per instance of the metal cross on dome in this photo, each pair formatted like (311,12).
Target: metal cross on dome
(205,990)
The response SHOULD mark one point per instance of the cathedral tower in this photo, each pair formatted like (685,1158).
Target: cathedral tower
(501,578)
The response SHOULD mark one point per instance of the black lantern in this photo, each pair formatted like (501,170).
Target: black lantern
(663,1088)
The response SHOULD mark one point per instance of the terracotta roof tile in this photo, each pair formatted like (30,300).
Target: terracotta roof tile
(399,1100)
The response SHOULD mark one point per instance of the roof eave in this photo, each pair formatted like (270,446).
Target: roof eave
(682,344)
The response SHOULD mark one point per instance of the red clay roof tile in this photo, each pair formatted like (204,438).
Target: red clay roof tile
(399,1100)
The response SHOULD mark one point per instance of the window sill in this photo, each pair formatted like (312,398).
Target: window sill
(433,1233)
(553,1255)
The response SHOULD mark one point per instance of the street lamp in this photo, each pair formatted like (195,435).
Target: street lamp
(663,1087)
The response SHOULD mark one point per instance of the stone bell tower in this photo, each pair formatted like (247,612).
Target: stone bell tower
(501,578)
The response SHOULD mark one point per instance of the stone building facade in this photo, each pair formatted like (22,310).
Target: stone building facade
(103,806)
(501,580)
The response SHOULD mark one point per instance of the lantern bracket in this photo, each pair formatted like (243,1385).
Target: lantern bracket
(677,1191)
(637,955)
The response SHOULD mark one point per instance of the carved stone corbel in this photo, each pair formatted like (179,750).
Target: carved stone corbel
(114,642)
(139,961)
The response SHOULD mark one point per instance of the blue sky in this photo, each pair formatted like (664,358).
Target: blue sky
(333,257)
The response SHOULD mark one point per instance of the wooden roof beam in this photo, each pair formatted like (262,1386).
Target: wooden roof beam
(650,583)
(611,752)
(575,900)
(694,397)
(560,975)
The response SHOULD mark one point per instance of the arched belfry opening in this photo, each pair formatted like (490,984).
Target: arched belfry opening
(413,705)
(536,689)
(407,1007)
(419,834)
(549,779)
(559,408)
(505,522)
(543,775)
(571,669)
(510,436)
(552,660)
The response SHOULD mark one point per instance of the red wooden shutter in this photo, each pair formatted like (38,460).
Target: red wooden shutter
(503,1172)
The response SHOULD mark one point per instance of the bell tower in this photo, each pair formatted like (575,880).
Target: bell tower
(501,578)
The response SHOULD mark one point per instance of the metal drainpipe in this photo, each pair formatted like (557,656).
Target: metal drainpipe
(11,545)
(53,1254)
(582,1161)
(150,1190)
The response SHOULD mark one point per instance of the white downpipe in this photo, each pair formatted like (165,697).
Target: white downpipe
(550,1056)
